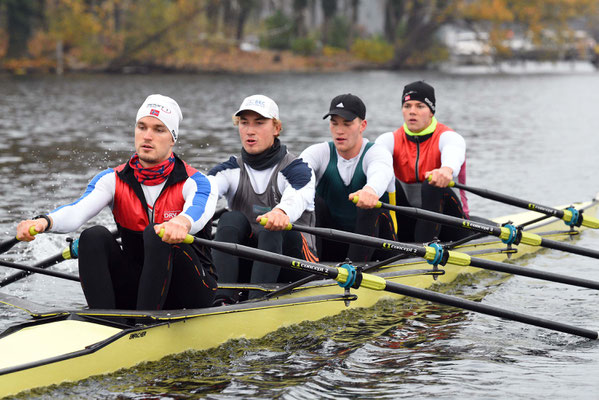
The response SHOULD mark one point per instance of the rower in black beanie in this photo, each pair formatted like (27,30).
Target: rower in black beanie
(427,155)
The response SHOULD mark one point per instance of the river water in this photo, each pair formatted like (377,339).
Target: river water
(531,136)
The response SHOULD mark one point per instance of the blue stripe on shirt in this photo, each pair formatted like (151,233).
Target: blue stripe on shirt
(90,188)
(198,207)
(298,173)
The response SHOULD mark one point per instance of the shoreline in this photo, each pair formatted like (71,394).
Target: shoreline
(234,61)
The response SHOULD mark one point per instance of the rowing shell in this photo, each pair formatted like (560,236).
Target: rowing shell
(69,345)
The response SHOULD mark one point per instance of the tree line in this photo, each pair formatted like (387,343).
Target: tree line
(109,35)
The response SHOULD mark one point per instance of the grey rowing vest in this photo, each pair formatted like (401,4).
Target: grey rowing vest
(252,204)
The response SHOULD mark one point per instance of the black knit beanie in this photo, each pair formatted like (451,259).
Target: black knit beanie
(420,91)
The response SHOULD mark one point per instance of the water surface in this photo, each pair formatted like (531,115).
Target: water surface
(532,136)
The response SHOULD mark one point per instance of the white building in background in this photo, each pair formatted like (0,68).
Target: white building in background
(467,46)
(471,52)
(371,13)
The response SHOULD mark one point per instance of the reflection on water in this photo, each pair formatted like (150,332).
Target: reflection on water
(532,137)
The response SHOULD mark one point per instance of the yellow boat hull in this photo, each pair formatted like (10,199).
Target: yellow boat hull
(71,347)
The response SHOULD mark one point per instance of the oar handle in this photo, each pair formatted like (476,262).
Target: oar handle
(356,198)
(450,184)
(263,222)
(188,239)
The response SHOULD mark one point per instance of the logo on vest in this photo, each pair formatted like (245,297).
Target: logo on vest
(168,215)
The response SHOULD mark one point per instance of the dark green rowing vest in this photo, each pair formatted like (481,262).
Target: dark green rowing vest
(332,189)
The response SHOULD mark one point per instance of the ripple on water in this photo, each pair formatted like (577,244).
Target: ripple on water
(51,148)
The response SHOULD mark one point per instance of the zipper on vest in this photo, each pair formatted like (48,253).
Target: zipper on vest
(417,159)
(151,213)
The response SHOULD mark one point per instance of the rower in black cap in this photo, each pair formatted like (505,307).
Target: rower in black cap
(345,167)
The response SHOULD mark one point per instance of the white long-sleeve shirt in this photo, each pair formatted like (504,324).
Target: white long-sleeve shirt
(377,165)
(199,191)
(296,185)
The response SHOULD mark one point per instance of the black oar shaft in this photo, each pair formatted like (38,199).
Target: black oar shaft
(448,220)
(570,216)
(300,282)
(489,310)
(455,258)
(555,245)
(377,283)
(265,256)
(527,238)
(22,274)
(503,198)
(39,271)
(544,275)
(8,244)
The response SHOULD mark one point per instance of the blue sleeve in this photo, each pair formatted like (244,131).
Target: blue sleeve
(298,173)
(231,163)
(203,190)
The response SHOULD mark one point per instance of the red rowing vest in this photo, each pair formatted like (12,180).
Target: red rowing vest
(415,155)
(411,159)
(131,212)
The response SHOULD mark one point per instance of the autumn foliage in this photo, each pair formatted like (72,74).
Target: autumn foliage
(120,35)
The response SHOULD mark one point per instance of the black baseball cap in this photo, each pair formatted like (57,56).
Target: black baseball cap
(348,107)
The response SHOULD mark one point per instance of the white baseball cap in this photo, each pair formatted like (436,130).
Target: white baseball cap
(261,104)
(165,109)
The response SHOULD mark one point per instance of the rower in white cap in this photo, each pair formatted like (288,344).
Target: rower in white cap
(154,190)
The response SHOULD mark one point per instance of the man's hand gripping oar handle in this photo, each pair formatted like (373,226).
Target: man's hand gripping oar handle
(10,243)
(263,222)
(355,200)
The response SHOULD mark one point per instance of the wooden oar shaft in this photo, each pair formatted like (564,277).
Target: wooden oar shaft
(377,283)
(489,310)
(39,271)
(455,258)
